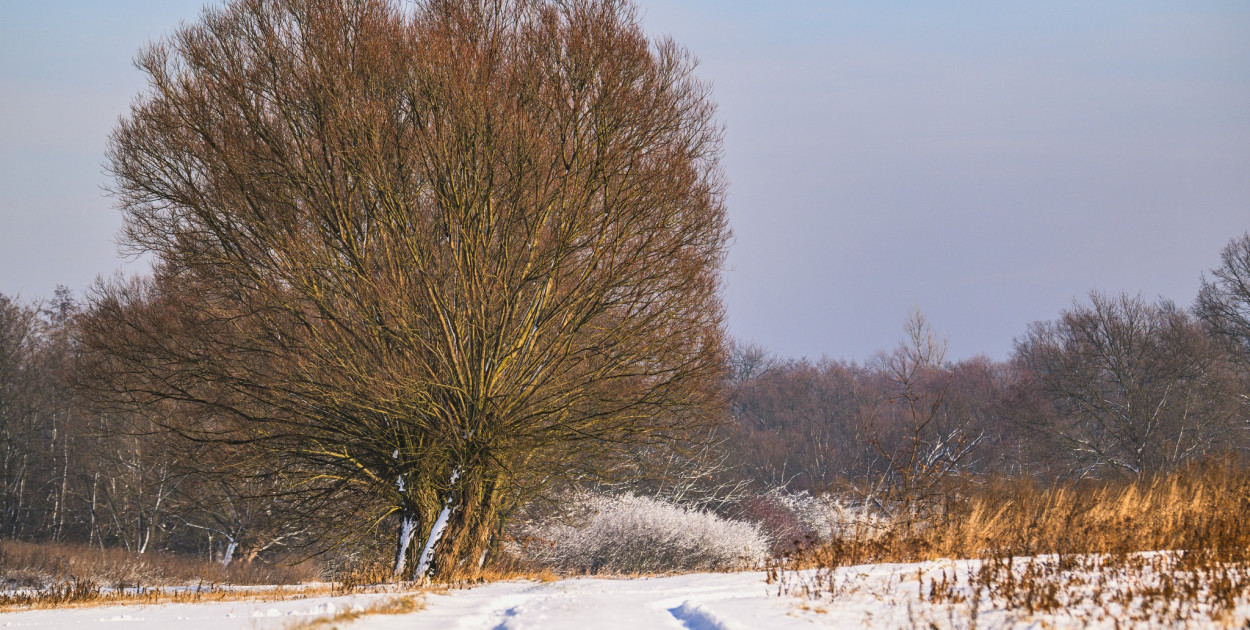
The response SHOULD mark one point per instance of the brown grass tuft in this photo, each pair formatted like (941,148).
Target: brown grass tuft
(399,605)
(367,577)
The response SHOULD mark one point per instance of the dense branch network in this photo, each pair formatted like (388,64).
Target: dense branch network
(440,255)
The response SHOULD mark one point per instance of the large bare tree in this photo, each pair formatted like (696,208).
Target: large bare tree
(441,254)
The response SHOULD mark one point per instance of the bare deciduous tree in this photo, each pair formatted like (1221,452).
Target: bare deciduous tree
(1224,299)
(440,254)
(18,428)
(931,443)
(39,420)
(1224,306)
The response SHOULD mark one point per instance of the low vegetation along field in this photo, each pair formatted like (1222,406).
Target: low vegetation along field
(1164,552)
(1170,551)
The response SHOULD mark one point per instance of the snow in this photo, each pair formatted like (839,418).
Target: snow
(199,616)
(712,601)
(869,596)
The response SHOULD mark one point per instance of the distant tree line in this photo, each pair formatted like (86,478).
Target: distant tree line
(1117,385)
(75,471)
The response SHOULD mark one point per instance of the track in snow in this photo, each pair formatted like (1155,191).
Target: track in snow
(735,601)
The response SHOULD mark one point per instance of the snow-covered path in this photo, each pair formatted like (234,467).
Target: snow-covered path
(707,601)
(867,596)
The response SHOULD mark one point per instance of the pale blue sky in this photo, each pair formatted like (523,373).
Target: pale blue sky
(986,161)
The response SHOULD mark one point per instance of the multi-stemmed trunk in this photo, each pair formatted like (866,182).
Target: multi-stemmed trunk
(453,545)
(471,523)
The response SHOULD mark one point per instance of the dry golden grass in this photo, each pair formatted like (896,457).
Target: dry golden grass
(59,575)
(1145,589)
(1204,508)
(52,575)
(368,577)
(502,574)
(24,564)
(85,593)
(399,605)
(1156,550)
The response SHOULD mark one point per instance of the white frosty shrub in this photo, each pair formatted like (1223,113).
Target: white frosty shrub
(829,515)
(792,519)
(633,534)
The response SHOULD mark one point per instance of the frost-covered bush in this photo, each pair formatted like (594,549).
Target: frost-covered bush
(830,515)
(633,534)
(798,519)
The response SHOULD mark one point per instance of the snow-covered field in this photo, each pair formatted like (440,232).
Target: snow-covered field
(872,596)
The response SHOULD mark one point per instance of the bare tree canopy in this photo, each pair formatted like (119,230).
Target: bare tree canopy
(441,255)
(1138,386)
(1224,299)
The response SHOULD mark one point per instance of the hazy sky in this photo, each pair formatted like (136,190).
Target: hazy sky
(985,161)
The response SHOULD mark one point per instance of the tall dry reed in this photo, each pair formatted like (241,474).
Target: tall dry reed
(1160,549)
(1203,508)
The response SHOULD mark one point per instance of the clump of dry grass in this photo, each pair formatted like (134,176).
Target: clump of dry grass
(1205,508)
(47,575)
(399,605)
(503,571)
(1158,549)
(367,577)
(74,591)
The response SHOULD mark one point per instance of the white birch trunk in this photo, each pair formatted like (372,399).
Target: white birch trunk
(228,556)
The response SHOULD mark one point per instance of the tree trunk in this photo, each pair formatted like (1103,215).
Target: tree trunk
(92,533)
(468,532)
(407,527)
(228,556)
(60,518)
(432,550)
(436,535)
